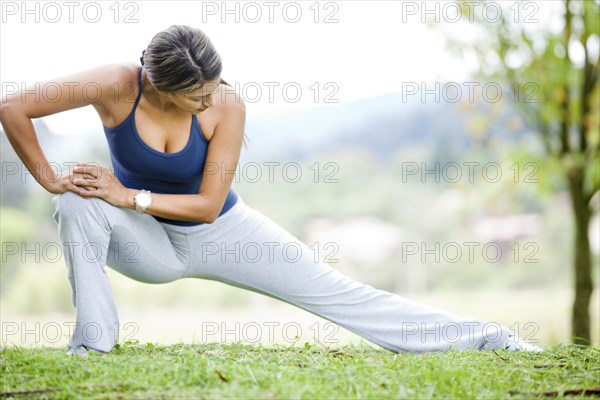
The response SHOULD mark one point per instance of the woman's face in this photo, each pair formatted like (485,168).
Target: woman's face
(198,100)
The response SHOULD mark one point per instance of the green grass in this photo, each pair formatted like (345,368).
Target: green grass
(211,371)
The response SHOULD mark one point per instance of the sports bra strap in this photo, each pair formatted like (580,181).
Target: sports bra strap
(139,95)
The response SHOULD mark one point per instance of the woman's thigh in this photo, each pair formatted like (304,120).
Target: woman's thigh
(142,249)
(94,232)
(249,250)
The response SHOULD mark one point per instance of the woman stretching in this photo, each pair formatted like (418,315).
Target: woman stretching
(175,132)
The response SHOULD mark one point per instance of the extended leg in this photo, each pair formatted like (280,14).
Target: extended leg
(248,250)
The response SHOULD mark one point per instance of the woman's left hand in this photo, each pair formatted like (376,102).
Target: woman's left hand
(97,181)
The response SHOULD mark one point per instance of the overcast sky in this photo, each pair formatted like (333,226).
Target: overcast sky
(342,50)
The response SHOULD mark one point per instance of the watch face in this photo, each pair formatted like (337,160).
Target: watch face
(143,200)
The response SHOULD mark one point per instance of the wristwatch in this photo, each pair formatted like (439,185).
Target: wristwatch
(142,201)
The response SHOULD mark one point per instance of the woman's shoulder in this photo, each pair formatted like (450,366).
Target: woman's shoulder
(118,78)
(117,85)
(229,100)
(229,106)
(108,74)
(105,83)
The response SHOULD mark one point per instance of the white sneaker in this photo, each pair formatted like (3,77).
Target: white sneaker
(79,351)
(514,343)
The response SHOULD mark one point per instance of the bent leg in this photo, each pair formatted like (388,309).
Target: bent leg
(93,234)
(246,249)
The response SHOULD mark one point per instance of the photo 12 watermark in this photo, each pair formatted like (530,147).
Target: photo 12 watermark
(453,12)
(274,171)
(287,92)
(269,252)
(470,252)
(54,252)
(252,12)
(469,172)
(49,333)
(53,12)
(464,332)
(469,92)
(268,332)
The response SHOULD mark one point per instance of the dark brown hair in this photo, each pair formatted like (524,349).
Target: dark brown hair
(181,59)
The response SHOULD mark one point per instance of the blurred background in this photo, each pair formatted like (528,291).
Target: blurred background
(444,152)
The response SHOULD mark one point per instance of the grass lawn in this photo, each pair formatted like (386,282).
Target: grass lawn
(310,371)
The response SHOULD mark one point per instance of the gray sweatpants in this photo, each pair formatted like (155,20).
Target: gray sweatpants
(246,249)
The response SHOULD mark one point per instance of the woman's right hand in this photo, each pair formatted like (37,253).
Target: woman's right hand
(65,183)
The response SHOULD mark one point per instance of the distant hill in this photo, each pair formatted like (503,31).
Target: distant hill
(382,125)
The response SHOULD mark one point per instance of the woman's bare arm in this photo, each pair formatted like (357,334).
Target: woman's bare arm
(221,162)
(52,97)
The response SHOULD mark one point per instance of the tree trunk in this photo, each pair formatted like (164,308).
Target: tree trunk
(580,323)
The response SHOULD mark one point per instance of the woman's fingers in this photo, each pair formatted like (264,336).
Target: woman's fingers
(82,184)
(87,194)
(84,180)
(86,183)
(78,189)
(88,177)
(92,180)
(89,169)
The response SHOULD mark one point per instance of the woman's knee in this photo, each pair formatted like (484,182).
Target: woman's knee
(70,204)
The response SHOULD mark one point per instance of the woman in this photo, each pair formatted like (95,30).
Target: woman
(175,132)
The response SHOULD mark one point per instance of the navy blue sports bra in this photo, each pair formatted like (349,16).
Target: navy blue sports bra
(139,166)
